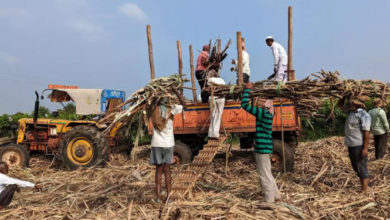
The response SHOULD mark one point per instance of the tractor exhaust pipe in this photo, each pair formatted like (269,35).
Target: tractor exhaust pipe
(36,109)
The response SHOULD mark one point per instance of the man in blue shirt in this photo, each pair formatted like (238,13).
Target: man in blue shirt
(357,135)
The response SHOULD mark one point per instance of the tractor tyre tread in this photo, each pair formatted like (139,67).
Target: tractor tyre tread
(98,141)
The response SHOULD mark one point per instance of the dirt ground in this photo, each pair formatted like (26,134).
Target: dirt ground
(323,186)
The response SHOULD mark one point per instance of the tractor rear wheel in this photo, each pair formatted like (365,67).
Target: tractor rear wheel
(83,146)
(277,157)
(15,155)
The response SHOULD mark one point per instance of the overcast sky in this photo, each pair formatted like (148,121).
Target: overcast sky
(102,44)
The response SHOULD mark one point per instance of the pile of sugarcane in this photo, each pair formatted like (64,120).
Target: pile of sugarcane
(146,98)
(309,93)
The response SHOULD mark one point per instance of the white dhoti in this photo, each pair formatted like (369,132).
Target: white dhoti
(268,184)
(216,110)
(281,73)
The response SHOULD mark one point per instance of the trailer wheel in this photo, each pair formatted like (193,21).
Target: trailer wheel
(15,155)
(83,146)
(182,154)
(277,157)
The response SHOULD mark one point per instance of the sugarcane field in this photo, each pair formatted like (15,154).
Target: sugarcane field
(194,110)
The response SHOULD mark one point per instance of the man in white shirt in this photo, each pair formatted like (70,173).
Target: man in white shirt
(216,106)
(9,185)
(245,65)
(163,142)
(280,60)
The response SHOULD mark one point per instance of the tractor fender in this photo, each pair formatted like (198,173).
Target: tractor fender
(6,140)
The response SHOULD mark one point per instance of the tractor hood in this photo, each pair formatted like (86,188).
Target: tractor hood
(88,101)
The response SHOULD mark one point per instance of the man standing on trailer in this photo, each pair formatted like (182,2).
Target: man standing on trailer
(163,142)
(216,106)
(245,64)
(263,145)
(280,60)
(357,135)
(202,63)
(379,128)
(9,185)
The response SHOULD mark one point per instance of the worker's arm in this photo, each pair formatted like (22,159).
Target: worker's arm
(275,51)
(245,102)
(179,96)
(245,59)
(340,103)
(205,60)
(6,180)
(366,125)
(383,117)
(366,138)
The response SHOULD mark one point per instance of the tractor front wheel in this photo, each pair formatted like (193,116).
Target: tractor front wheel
(15,155)
(83,146)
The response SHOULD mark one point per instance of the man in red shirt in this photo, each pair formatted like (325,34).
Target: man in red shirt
(201,65)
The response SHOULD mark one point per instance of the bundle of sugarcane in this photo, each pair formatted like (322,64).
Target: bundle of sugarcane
(216,57)
(146,98)
(309,93)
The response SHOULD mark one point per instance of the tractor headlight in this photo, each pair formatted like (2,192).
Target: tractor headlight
(53,131)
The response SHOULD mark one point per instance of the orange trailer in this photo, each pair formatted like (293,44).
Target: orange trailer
(192,125)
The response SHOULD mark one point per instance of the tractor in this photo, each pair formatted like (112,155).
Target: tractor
(77,143)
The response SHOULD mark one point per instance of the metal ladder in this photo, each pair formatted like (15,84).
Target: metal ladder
(186,179)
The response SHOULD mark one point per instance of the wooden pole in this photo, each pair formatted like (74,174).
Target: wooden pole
(150,49)
(192,75)
(290,70)
(243,41)
(219,45)
(180,63)
(239,57)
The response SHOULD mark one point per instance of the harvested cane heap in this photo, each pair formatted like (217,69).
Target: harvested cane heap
(324,186)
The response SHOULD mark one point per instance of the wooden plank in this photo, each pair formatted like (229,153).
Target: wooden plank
(290,70)
(150,50)
(193,75)
(180,62)
(239,58)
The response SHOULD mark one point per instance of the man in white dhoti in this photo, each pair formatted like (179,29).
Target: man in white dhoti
(216,106)
(280,60)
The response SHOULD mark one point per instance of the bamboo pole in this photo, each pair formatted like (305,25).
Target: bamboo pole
(290,70)
(239,58)
(180,62)
(150,50)
(192,74)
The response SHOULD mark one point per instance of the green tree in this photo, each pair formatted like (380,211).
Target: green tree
(68,112)
(43,112)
